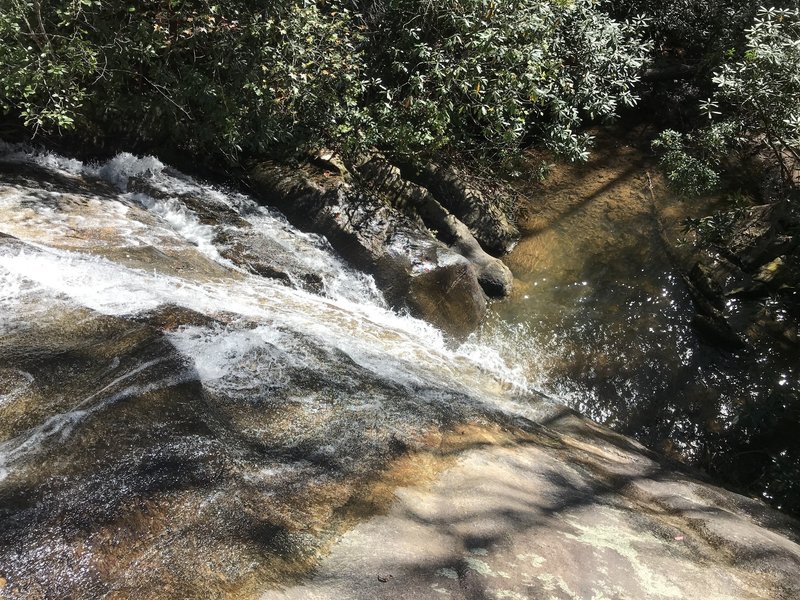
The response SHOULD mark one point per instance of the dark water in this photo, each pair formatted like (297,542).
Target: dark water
(603,318)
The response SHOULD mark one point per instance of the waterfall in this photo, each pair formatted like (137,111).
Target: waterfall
(147,360)
(197,400)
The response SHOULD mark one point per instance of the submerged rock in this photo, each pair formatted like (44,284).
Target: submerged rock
(709,319)
(758,235)
(758,263)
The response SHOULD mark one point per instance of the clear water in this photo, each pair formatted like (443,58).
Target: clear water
(601,318)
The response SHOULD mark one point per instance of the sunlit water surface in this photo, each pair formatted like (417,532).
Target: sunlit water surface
(600,317)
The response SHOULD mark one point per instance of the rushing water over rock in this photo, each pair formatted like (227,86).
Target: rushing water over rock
(148,367)
(196,400)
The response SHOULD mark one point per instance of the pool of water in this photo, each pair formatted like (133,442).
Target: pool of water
(601,317)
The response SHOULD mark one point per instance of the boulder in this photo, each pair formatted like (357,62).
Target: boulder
(464,308)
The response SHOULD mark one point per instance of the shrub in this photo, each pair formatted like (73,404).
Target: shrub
(481,74)
(408,76)
(690,30)
(758,95)
(226,76)
(755,107)
(689,162)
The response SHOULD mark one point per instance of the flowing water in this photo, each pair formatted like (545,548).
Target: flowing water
(601,318)
(196,398)
(173,423)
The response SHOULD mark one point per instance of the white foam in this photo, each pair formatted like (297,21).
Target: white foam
(91,282)
(396,347)
(118,171)
(300,253)
(239,361)
(24,154)
(123,167)
(74,221)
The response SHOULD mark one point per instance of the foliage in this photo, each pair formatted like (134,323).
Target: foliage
(690,174)
(692,38)
(408,76)
(691,30)
(716,228)
(759,94)
(482,74)
(222,76)
(43,66)
(755,107)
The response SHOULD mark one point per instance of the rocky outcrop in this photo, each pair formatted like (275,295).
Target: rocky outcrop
(413,268)
(386,180)
(588,515)
(489,224)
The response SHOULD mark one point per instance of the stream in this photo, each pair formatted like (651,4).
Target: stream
(174,423)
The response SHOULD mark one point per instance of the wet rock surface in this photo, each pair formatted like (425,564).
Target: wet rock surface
(126,475)
(587,515)
(383,240)
(172,425)
(462,196)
